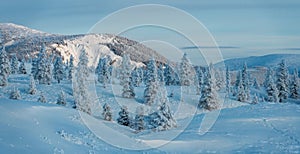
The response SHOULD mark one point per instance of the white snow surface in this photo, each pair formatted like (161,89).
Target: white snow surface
(28,126)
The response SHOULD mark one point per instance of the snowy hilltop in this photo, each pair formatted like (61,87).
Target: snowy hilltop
(100,93)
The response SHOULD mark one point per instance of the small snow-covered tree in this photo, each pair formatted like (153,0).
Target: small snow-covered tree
(185,71)
(228,81)
(169,75)
(255,84)
(80,83)
(22,68)
(295,85)
(241,95)
(245,81)
(209,97)
(125,78)
(139,121)
(255,99)
(14,64)
(271,89)
(4,67)
(71,67)
(58,72)
(43,72)
(107,114)
(15,94)
(61,99)
(282,81)
(42,98)
(32,87)
(151,83)
(124,118)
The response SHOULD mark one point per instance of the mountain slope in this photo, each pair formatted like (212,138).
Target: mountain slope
(26,42)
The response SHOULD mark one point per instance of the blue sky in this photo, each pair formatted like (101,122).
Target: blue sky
(242,28)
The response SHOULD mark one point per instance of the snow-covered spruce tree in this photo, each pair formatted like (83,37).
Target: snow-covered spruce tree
(22,68)
(185,71)
(151,83)
(241,94)
(209,97)
(160,73)
(245,81)
(169,75)
(43,73)
(255,84)
(162,119)
(4,67)
(282,81)
(219,79)
(294,91)
(107,114)
(34,67)
(80,90)
(14,64)
(61,99)
(139,121)
(124,118)
(255,99)
(32,87)
(42,98)
(125,77)
(271,89)
(136,77)
(58,71)
(102,71)
(71,67)
(15,94)
(228,81)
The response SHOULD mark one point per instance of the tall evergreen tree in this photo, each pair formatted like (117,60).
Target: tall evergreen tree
(126,78)
(255,84)
(139,121)
(228,81)
(14,64)
(245,81)
(271,89)
(107,114)
(22,68)
(80,83)
(34,67)
(282,81)
(241,95)
(136,77)
(151,83)
(185,71)
(295,85)
(124,118)
(71,67)
(43,72)
(58,72)
(32,88)
(169,75)
(4,67)
(160,73)
(209,97)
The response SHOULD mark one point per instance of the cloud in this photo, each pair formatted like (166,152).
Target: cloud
(209,47)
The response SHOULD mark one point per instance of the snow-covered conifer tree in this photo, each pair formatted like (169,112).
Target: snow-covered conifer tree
(22,68)
(228,81)
(185,71)
(255,84)
(43,72)
(160,73)
(295,85)
(81,95)
(34,67)
(71,67)
(282,81)
(139,121)
(271,89)
(107,114)
(58,72)
(124,118)
(169,75)
(14,64)
(61,99)
(32,88)
(241,95)
(136,77)
(15,94)
(4,67)
(209,97)
(151,83)
(245,81)
(125,77)
(42,98)
(255,99)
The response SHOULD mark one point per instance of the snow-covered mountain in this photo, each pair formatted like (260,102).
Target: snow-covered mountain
(292,61)
(27,42)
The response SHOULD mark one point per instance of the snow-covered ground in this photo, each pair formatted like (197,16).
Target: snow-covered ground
(28,126)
